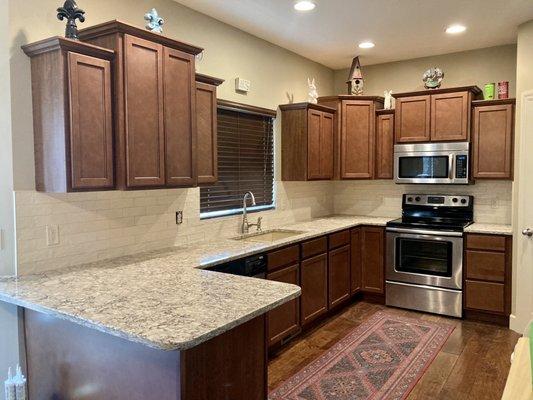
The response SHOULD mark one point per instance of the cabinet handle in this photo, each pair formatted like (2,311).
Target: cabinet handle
(527,232)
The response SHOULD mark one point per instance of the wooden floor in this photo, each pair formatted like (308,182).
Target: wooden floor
(473,363)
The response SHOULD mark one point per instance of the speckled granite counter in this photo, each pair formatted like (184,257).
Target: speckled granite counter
(494,229)
(163,298)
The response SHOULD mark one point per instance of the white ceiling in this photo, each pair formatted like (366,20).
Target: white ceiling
(401,29)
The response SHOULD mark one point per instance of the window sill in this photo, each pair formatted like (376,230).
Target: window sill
(236,211)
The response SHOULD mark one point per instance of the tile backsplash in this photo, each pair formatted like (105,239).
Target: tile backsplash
(382,198)
(99,225)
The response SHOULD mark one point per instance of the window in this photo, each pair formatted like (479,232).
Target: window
(245,161)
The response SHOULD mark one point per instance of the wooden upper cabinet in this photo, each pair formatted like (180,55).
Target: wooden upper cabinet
(145,129)
(357,139)
(179,88)
(384,144)
(450,116)
(307,142)
(72,115)
(206,129)
(434,115)
(155,124)
(492,139)
(354,136)
(413,119)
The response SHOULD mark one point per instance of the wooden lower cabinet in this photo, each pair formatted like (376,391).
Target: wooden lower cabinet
(339,275)
(372,259)
(487,286)
(314,284)
(284,321)
(355,261)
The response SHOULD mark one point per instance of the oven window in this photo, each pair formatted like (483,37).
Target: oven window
(424,167)
(427,257)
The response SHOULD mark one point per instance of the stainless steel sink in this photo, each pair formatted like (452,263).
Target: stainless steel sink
(269,236)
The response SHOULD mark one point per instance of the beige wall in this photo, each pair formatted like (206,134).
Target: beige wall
(229,53)
(475,67)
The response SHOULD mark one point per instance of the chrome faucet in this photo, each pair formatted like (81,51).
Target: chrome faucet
(245,227)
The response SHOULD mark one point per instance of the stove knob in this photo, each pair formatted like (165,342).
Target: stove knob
(417,198)
(463,201)
(455,200)
(409,199)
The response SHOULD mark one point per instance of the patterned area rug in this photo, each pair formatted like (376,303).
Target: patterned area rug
(383,358)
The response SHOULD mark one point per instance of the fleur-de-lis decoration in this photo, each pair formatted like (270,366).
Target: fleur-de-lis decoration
(71,12)
(154,22)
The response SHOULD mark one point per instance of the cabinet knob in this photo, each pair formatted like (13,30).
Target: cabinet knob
(527,232)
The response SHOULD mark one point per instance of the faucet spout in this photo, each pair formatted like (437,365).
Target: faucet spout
(245,225)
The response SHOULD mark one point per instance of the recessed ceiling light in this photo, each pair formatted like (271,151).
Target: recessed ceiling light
(366,45)
(455,29)
(304,5)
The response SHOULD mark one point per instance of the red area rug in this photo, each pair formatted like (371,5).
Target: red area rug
(383,358)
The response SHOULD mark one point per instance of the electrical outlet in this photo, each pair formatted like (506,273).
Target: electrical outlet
(52,235)
(179,217)
(494,203)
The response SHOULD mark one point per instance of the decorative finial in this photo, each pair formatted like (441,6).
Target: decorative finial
(71,12)
(154,21)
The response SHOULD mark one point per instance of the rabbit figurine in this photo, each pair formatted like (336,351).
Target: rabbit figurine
(387,105)
(312,96)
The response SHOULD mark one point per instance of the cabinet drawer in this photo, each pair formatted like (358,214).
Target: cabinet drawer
(485,242)
(314,247)
(485,296)
(339,239)
(485,265)
(280,258)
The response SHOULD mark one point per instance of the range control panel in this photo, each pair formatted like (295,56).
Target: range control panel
(436,200)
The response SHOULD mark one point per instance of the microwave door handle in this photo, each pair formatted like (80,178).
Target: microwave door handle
(451,169)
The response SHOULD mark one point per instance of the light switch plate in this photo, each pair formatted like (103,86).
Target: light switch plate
(242,85)
(52,235)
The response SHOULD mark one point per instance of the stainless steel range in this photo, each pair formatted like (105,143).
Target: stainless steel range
(424,261)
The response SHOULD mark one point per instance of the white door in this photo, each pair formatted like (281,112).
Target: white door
(523,243)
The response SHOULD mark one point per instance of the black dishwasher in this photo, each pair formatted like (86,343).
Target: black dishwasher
(253,266)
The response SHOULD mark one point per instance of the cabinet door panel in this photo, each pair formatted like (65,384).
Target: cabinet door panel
(412,120)
(485,296)
(284,321)
(450,116)
(314,123)
(384,146)
(326,146)
(339,275)
(372,262)
(357,139)
(145,135)
(355,261)
(179,114)
(91,124)
(314,283)
(206,128)
(493,142)
(485,265)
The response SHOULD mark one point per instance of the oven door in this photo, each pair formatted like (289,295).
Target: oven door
(425,257)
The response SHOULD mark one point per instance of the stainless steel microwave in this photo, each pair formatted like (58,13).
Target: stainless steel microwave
(432,163)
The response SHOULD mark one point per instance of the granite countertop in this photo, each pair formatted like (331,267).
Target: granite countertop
(494,229)
(164,299)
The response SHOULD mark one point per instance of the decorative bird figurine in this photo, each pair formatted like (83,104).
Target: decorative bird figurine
(154,21)
(71,12)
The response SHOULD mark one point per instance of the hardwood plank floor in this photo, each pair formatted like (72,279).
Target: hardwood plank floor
(473,363)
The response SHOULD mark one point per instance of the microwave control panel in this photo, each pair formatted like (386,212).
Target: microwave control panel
(461,166)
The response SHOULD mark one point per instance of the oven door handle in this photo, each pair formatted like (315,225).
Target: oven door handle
(425,232)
